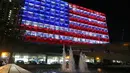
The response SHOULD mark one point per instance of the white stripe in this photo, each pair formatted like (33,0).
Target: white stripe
(87,19)
(54,27)
(83,24)
(86,12)
(62,37)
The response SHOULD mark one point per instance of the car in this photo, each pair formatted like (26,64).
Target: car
(19,62)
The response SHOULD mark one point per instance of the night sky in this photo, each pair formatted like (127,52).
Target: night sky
(117,16)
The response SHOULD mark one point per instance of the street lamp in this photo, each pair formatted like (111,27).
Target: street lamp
(125,44)
(5,54)
(98,59)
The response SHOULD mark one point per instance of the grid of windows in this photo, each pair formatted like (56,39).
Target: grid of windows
(60,20)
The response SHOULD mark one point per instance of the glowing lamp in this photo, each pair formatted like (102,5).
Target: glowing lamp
(4,54)
(125,44)
(99,70)
(97,58)
(67,57)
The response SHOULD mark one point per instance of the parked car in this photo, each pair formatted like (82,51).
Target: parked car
(20,62)
(32,62)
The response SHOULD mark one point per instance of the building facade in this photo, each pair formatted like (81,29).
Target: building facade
(60,22)
(52,21)
(43,58)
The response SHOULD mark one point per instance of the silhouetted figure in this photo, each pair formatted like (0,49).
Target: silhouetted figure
(1,63)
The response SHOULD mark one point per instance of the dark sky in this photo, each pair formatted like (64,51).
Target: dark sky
(117,16)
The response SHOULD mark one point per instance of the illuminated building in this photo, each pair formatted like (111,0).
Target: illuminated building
(60,22)
(56,21)
(9,10)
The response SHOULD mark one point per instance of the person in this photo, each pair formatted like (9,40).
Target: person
(1,63)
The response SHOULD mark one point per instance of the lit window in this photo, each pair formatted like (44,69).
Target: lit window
(37,5)
(52,27)
(46,26)
(66,29)
(74,9)
(90,33)
(106,36)
(27,32)
(101,42)
(56,36)
(40,24)
(87,40)
(10,0)
(43,35)
(103,36)
(33,33)
(78,39)
(23,21)
(83,40)
(42,7)
(61,28)
(50,35)
(62,37)
(75,39)
(70,38)
(46,35)
(10,12)
(62,5)
(98,42)
(53,2)
(90,41)
(28,22)
(57,27)
(39,34)
(35,23)
(31,4)
(87,33)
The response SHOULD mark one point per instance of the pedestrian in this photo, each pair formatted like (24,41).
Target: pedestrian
(1,63)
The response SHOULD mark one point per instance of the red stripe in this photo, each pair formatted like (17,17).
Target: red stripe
(87,29)
(88,16)
(52,41)
(59,32)
(86,22)
(86,9)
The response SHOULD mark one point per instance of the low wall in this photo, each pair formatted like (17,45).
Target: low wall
(5,69)
(12,68)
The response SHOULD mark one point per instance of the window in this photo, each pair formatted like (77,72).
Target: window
(75,39)
(23,21)
(33,33)
(83,40)
(46,26)
(62,37)
(56,36)
(79,39)
(27,32)
(87,33)
(90,33)
(35,23)
(50,36)
(39,34)
(57,27)
(87,40)
(28,22)
(46,35)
